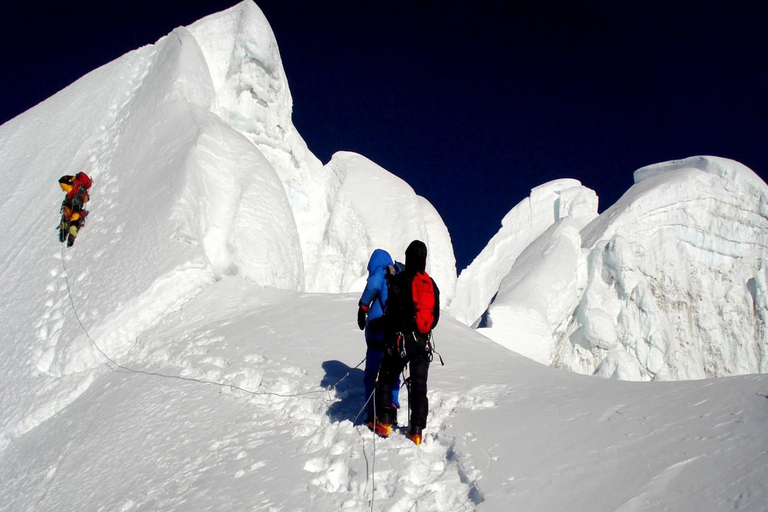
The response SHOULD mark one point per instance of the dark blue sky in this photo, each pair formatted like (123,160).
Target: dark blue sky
(473,102)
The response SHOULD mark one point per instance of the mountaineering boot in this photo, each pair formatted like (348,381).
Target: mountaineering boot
(375,425)
(414,434)
(63,231)
(72,235)
(383,429)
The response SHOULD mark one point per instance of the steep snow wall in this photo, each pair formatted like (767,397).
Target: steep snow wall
(198,173)
(373,208)
(478,283)
(677,273)
(536,298)
(668,283)
(253,97)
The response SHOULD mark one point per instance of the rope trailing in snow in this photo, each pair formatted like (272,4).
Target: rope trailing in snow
(370,473)
(115,367)
(179,377)
(373,463)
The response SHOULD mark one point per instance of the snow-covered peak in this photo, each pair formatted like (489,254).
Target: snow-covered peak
(725,168)
(337,232)
(689,186)
(252,93)
(199,174)
(235,40)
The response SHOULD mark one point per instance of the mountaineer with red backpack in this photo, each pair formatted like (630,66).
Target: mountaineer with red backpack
(73,211)
(413,310)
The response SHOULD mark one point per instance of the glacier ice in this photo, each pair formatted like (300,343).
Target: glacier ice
(668,282)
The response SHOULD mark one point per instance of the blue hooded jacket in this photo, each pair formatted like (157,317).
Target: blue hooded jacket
(375,294)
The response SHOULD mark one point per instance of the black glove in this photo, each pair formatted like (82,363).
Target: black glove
(361,316)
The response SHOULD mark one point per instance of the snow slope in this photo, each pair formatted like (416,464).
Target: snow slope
(198,174)
(173,359)
(668,283)
(504,433)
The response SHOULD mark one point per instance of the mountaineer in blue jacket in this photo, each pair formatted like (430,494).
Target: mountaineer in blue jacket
(370,316)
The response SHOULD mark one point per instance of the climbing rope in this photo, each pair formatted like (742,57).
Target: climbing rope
(373,461)
(126,369)
(117,367)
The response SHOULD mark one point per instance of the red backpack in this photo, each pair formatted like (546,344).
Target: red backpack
(423,291)
(80,185)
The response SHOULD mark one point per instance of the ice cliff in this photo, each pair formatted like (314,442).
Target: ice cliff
(668,283)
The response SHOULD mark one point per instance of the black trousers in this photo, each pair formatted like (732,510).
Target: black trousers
(417,356)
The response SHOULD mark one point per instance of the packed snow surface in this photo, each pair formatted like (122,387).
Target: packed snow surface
(196,349)
(504,433)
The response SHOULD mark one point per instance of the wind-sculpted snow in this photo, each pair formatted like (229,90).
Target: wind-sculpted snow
(668,283)
(479,282)
(336,231)
(677,277)
(198,173)
(172,359)
(374,209)
(253,97)
(535,299)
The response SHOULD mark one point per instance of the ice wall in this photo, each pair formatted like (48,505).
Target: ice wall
(372,208)
(668,283)
(548,203)
(676,277)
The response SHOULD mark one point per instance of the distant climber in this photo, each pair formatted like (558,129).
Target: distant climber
(413,310)
(73,211)
(370,313)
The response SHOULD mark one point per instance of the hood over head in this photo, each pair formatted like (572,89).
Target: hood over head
(416,257)
(379,259)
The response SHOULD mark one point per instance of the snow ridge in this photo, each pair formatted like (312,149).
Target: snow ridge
(198,174)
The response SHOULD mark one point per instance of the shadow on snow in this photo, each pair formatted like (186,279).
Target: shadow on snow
(349,389)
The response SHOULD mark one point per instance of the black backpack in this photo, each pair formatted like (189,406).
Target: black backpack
(413,304)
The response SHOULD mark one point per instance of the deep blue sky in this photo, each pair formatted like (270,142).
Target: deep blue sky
(472,102)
